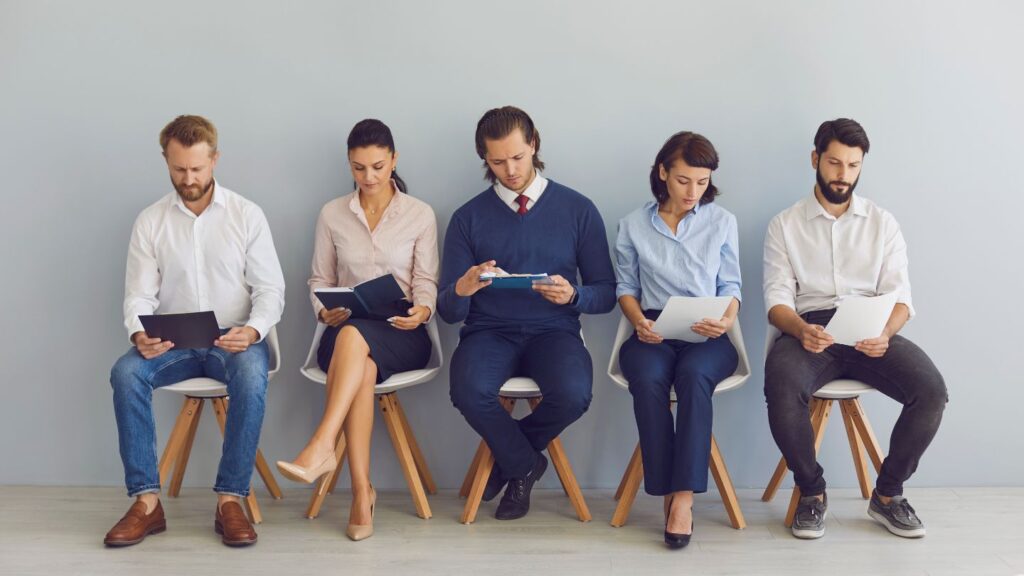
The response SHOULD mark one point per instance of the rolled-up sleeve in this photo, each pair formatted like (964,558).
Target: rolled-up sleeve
(263,275)
(894,276)
(141,277)
(728,282)
(627,263)
(779,276)
(425,264)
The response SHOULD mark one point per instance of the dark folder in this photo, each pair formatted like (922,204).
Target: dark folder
(189,330)
(377,299)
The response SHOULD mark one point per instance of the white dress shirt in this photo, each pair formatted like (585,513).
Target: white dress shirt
(813,260)
(533,192)
(222,260)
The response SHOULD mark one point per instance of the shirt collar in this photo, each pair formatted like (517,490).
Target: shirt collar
(219,195)
(394,207)
(813,208)
(532,191)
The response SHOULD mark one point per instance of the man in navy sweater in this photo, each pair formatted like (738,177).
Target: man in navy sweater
(525,223)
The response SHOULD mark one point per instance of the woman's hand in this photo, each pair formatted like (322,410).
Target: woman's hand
(645,332)
(334,317)
(417,315)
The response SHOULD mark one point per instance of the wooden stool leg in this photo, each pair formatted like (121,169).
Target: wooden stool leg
(324,484)
(195,410)
(480,472)
(177,438)
(267,476)
(220,408)
(337,471)
(633,460)
(628,488)
(400,439)
(860,463)
(818,423)
(867,435)
(782,468)
(467,482)
(572,488)
(725,487)
(417,454)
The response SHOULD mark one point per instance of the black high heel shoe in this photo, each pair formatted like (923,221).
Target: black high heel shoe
(673,540)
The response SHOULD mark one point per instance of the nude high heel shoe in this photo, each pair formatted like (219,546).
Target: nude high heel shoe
(307,475)
(357,532)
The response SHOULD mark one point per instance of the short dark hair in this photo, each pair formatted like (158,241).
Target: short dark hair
(373,132)
(848,132)
(696,151)
(498,123)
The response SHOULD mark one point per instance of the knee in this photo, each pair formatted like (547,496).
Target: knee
(572,401)
(471,399)
(934,395)
(782,393)
(247,374)
(649,391)
(124,375)
(349,337)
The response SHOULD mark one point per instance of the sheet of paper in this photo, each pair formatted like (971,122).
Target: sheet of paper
(860,317)
(682,312)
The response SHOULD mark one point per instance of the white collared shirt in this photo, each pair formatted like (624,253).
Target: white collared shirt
(222,260)
(533,192)
(813,260)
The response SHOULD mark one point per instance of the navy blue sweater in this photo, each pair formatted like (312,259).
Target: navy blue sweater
(561,234)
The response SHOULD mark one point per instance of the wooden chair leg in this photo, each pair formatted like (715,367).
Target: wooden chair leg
(569,483)
(628,488)
(860,463)
(324,484)
(782,467)
(480,472)
(867,435)
(818,423)
(725,487)
(417,454)
(268,476)
(467,482)
(220,408)
(177,438)
(633,460)
(405,457)
(195,410)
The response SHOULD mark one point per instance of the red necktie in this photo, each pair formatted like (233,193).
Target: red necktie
(522,199)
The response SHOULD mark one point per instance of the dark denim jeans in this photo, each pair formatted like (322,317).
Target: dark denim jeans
(134,378)
(904,373)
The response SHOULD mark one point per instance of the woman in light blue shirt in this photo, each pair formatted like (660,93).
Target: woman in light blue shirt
(681,244)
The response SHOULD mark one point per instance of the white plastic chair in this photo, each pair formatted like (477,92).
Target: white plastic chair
(414,466)
(630,484)
(858,430)
(179,445)
(519,388)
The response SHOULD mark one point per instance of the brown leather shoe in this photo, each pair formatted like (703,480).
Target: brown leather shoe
(233,525)
(135,525)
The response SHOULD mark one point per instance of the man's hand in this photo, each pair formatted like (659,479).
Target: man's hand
(558,290)
(237,339)
(645,332)
(335,316)
(148,347)
(874,347)
(417,315)
(711,328)
(470,282)
(814,338)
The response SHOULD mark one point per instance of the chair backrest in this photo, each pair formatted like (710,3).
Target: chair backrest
(274,347)
(738,378)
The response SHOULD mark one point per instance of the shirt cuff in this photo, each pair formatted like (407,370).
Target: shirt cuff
(260,326)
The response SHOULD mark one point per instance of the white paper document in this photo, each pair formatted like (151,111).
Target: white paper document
(681,312)
(860,317)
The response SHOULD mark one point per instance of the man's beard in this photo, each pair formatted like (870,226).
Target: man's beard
(193,192)
(831,195)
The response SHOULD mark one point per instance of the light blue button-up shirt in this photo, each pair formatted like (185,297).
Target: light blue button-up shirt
(700,259)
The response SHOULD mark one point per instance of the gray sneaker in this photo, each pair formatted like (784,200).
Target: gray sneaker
(809,519)
(898,516)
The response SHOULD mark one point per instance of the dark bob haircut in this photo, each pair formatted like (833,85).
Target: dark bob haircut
(693,149)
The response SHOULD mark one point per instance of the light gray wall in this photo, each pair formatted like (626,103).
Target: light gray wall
(87,86)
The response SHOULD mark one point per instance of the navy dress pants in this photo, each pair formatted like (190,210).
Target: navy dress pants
(675,457)
(557,360)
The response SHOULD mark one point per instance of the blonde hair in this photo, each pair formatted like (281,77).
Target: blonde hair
(189,131)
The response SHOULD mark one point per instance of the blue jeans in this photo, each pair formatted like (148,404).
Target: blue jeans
(134,378)
(675,457)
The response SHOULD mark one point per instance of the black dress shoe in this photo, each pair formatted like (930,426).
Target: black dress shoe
(516,501)
(495,484)
(677,541)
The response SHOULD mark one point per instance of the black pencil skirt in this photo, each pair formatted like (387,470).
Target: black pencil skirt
(392,349)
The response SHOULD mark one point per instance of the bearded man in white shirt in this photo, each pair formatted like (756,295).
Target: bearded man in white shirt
(825,248)
(201,247)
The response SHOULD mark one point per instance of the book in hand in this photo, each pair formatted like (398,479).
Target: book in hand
(377,299)
(186,331)
(506,280)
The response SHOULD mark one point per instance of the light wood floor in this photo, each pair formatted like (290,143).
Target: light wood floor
(49,530)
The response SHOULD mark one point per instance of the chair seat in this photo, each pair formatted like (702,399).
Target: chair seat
(397,382)
(199,388)
(520,387)
(730,383)
(842,389)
